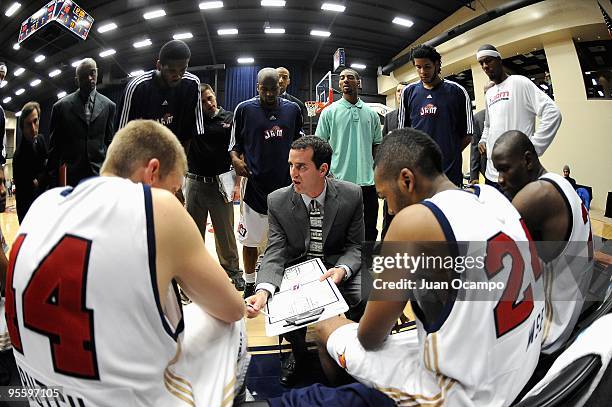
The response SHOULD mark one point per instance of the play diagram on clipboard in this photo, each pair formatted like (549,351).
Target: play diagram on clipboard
(303,299)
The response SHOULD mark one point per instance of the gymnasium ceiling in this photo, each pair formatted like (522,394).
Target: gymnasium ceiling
(364,29)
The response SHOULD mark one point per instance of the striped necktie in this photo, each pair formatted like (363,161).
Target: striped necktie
(315,249)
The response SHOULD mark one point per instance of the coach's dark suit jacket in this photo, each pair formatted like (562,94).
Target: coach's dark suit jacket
(74,142)
(391,122)
(289,235)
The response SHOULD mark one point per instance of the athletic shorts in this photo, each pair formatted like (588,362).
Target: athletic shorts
(395,368)
(252,227)
(212,362)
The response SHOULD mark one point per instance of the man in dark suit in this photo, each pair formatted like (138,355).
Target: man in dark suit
(314,217)
(391,118)
(82,127)
(284,79)
(391,123)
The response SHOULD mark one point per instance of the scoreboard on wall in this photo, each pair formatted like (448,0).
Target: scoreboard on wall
(64,12)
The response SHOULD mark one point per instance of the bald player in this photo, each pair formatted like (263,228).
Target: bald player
(477,351)
(264,128)
(284,80)
(81,128)
(559,222)
(92,303)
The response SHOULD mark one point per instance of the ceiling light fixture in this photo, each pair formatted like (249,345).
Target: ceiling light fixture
(320,33)
(270,30)
(61,94)
(16,46)
(403,21)
(107,53)
(11,10)
(273,3)
(76,63)
(107,27)
(154,14)
(245,60)
(333,7)
(143,43)
(19,91)
(209,5)
(19,71)
(54,72)
(39,58)
(18,114)
(35,82)
(227,31)
(357,65)
(182,36)
(6,99)
(3,84)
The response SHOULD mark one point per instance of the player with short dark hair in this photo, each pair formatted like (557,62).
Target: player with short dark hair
(455,327)
(264,128)
(440,108)
(169,94)
(559,222)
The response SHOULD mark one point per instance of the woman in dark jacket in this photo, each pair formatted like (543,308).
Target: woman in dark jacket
(29,160)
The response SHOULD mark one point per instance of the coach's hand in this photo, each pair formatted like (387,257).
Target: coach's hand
(336,273)
(240,167)
(256,302)
(482,148)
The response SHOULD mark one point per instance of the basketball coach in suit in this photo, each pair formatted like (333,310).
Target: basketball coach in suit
(315,217)
(82,126)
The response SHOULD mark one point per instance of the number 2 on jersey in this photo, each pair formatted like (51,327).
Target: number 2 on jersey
(54,306)
(508,313)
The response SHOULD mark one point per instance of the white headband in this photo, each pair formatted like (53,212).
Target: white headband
(487,53)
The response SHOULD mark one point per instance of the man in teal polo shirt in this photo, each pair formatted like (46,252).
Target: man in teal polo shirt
(353,130)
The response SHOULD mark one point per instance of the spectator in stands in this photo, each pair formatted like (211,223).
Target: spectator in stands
(566,175)
(353,131)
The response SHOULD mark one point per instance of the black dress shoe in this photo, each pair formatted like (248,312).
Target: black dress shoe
(289,372)
(249,289)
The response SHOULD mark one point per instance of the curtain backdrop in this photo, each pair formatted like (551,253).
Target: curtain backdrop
(240,84)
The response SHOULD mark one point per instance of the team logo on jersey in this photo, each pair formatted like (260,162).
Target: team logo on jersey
(167,119)
(499,96)
(242,230)
(428,109)
(273,132)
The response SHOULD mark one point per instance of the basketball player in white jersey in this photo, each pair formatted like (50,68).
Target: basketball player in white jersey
(92,301)
(557,219)
(469,348)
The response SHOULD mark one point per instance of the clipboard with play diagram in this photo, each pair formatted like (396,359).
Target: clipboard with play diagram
(303,299)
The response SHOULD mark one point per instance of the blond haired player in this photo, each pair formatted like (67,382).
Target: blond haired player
(92,301)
